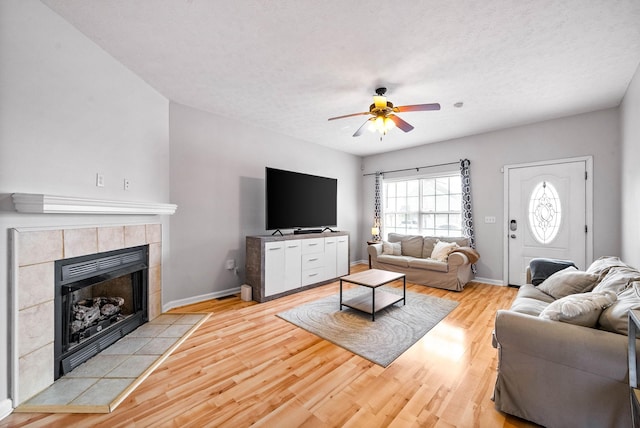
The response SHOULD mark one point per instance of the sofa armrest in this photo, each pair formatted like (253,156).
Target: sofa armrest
(457,259)
(588,349)
(374,250)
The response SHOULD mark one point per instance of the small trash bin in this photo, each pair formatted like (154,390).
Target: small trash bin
(245,292)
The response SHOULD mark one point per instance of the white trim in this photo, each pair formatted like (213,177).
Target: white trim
(49,204)
(6,407)
(588,160)
(14,368)
(201,298)
(489,281)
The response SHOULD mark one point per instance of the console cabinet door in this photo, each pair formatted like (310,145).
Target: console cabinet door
(330,257)
(274,259)
(292,264)
(342,256)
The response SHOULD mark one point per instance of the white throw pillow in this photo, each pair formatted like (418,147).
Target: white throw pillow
(391,248)
(442,250)
(581,309)
(568,281)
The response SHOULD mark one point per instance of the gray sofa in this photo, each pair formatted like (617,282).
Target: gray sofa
(562,365)
(413,259)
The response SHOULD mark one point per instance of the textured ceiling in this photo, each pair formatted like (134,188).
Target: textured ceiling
(289,65)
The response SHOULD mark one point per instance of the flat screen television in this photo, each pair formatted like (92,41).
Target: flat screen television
(295,200)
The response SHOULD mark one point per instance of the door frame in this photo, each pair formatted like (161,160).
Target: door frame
(588,160)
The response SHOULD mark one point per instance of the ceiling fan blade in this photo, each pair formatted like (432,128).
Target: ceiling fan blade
(361,129)
(349,115)
(400,123)
(417,107)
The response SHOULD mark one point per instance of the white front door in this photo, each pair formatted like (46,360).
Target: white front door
(548,214)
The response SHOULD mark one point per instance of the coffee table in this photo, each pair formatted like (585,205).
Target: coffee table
(374,278)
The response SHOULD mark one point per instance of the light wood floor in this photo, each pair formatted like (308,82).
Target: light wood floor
(247,367)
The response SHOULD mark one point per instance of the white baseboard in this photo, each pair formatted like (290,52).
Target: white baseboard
(6,407)
(197,299)
(489,281)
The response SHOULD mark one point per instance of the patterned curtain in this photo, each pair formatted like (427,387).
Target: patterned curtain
(377,212)
(467,212)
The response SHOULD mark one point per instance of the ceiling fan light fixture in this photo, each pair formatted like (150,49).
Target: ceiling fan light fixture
(380,101)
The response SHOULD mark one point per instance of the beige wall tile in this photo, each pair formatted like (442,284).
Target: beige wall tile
(35,284)
(35,373)
(35,327)
(110,238)
(39,247)
(80,242)
(154,233)
(135,235)
(155,279)
(155,254)
(155,305)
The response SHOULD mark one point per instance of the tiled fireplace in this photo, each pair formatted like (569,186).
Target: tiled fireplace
(34,253)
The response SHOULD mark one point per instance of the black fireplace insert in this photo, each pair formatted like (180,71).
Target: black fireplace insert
(99,298)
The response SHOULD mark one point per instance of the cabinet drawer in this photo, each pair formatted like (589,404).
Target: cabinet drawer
(312,275)
(315,245)
(312,261)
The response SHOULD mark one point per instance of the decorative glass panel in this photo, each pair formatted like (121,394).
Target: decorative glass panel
(545,212)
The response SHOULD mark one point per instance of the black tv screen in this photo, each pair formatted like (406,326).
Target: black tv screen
(296,200)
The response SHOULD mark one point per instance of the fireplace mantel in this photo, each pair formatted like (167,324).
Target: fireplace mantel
(49,204)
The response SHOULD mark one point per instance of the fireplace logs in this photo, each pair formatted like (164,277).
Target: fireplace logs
(89,312)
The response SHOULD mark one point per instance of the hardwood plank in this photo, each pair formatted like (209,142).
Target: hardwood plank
(245,366)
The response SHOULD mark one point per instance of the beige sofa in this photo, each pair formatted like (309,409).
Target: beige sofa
(566,365)
(414,261)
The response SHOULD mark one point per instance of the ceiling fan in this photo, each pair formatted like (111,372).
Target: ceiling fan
(382,114)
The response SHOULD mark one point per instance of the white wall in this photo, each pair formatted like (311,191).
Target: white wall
(594,134)
(630,124)
(217,180)
(67,111)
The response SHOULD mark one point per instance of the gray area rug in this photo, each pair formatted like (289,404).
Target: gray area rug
(395,329)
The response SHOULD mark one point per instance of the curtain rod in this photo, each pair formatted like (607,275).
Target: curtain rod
(416,168)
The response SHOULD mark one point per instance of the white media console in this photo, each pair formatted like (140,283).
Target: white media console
(281,265)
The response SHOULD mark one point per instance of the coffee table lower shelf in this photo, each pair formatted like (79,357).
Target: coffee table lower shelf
(364,303)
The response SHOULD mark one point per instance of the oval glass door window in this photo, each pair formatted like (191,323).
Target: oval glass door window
(545,212)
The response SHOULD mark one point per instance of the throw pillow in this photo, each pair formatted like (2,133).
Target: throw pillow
(442,250)
(580,309)
(391,248)
(568,281)
(412,246)
(615,317)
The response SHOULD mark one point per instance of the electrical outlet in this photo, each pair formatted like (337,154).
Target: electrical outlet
(100,180)
(231,264)
(127,184)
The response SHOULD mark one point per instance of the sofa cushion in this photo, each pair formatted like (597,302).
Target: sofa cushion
(542,268)
(580,309)
(412,246)
(617,278)
(442,250)
(429,264)
(615,317)
(528,306)
(529,291)
(427,247)
(568,281)
(391,248)
(394,260)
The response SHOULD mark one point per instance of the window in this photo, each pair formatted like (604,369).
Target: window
(545,212)
(428,206)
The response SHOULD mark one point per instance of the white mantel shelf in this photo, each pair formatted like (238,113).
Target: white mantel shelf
(49,204)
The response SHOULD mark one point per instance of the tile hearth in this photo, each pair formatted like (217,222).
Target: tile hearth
(103,382)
